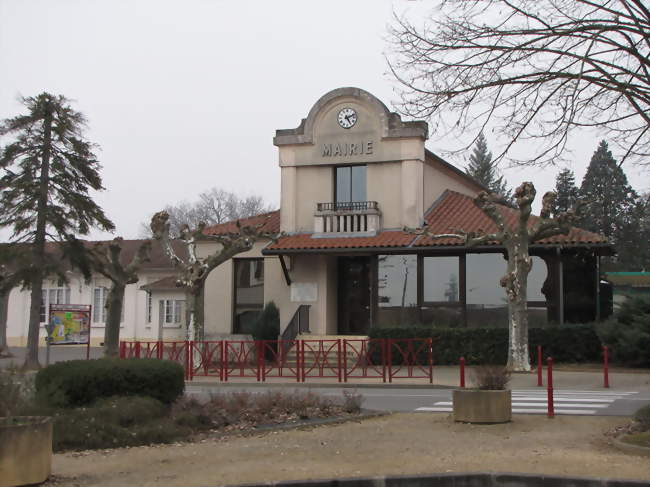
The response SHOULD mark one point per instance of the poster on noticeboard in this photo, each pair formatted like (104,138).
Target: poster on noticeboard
(69,324)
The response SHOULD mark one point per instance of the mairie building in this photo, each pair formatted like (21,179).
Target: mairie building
(353,175)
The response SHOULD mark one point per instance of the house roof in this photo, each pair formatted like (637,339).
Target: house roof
(452,211)
(164,284)
(270,223)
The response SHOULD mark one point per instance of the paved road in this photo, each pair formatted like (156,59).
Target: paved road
(427,400)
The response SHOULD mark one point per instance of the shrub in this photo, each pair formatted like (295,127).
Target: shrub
(491,377)
(115,422)
(642,416)
(81,382)
(267,324)
(12,393)
(628,333)
(352,401)
(565,343)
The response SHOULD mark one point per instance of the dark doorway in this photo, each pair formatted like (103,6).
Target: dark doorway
(354,301)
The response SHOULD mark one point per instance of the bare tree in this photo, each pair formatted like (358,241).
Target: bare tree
(105,259)
(193,271)
(516,240)
(212,207)
(530,69)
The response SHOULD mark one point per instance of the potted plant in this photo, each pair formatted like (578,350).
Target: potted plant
(25,441)
(489,402)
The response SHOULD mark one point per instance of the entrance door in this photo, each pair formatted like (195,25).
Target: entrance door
(354,295)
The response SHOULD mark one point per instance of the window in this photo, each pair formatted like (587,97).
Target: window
(99,305)
(397,280)
(149,303)
(249,293)
(441,291)
(172,311)
(52,296)
(350,184)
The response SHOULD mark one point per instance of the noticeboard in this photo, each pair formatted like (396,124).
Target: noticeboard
(69,324)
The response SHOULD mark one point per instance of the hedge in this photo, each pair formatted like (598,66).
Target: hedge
(479,346)
(81,382)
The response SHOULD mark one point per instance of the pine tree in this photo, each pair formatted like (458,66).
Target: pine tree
(608,197)
(566,191)
(482,169)
(47,171)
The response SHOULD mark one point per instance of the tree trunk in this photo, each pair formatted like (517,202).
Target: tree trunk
(516,283)
(4,310)
(195,314)
(31,357)
(114,304)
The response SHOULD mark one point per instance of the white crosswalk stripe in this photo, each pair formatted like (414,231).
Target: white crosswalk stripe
(534,401)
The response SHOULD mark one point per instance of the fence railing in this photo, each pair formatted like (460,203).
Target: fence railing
(299,360)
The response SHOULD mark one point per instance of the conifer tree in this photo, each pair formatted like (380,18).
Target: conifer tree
(48,169)
(566,191)
(608,198)
(485,171)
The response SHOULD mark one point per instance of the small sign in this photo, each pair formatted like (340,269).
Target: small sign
(304,292)
(69,323)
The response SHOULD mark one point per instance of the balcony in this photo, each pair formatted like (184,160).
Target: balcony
(354,218)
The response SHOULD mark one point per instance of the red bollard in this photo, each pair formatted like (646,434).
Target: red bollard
(539,366)
(551,409)
(462,372)
(605,367)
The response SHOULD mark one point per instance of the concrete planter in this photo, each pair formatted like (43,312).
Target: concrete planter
(25,450)
(478,406)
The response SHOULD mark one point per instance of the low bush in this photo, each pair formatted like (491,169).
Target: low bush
(628,333)
(491,377)
(642,416)
(115,422)
(82,382)
(479,346)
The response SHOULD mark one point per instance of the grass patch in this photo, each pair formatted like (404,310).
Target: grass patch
(638,439)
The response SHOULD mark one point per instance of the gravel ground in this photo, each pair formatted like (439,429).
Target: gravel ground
(388,445)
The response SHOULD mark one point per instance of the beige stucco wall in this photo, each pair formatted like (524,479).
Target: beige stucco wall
(134,324)
(438,178)
(385,187)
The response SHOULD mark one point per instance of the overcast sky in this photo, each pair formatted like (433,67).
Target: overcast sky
(185,95)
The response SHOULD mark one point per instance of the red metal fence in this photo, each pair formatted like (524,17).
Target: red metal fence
(299,360)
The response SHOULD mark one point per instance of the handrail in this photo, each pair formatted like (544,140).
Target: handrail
(347,206)
(299,323)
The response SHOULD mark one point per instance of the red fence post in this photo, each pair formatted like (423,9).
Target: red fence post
(430,354)
(605,366)
(159,352)
(462,372)
(224,360)
(382,344)
(551,409)
(338,358)
(122,349)
(389,353)
(539,366)
(137,349)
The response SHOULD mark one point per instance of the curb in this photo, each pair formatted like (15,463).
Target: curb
(473,479)
(630,448)
(315,385)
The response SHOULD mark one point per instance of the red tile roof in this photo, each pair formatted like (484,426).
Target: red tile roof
(305,241)
(453,211)
(270,221)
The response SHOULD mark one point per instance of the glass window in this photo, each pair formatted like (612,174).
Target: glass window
(536,279)
(397,290)
(249,293)
(486,299)
(99,304)
(441,279)
(350,184)
(173,311)
(52,296)
(149,303)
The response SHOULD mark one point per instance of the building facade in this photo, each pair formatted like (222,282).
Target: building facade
(353,175)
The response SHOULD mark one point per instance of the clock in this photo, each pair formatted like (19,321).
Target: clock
(347,117)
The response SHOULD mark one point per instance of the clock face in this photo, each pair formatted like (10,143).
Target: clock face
(347,118)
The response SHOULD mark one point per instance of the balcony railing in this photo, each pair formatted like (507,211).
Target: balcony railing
(347,206)
(356,217)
